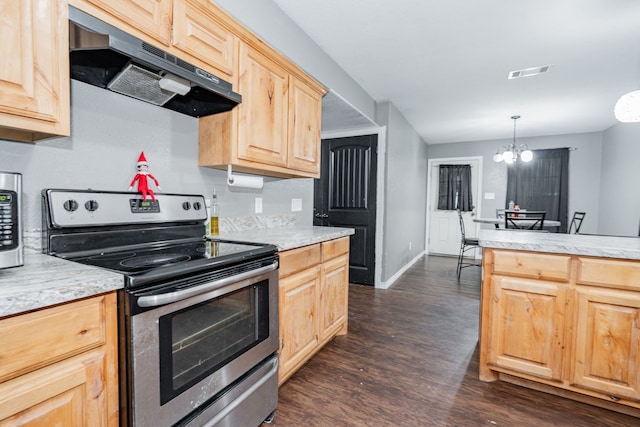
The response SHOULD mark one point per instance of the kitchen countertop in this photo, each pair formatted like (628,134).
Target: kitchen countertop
(45,280)
(288,237)
(573,244)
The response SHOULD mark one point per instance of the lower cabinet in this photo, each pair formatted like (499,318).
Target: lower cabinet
(59,365)
(314,288)
(570,323)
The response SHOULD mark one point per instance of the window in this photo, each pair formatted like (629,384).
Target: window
(542,184)
(454,190)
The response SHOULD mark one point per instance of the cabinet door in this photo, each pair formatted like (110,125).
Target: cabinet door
(262,127)
(196,32)
(608,342)
(69,393)
(528,324)
(334,296)
(298,318)
(34,76)
(151,17)
(305,116)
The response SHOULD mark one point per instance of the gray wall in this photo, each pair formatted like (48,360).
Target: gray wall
(584,170)
(620,183)
(405,187)
(109,131)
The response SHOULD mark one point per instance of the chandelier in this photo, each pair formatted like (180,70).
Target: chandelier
(510,153)
(627,109)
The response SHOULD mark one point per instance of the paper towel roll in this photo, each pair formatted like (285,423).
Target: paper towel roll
(245,181)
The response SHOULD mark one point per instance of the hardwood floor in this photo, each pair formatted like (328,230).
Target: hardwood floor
(411,359)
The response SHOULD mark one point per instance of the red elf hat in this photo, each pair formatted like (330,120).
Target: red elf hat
(142,160)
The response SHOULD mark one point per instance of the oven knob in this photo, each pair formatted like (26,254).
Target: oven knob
(91,205)
(186,206)
(70,205)
(197,205)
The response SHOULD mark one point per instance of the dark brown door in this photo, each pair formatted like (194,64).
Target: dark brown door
(345,196)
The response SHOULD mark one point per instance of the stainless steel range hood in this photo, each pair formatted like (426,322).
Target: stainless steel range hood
(107,57)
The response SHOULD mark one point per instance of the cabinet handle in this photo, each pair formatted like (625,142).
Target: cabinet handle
(614,398)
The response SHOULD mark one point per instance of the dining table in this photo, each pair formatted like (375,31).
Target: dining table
(548,223)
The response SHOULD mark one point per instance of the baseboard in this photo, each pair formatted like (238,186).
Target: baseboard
(387,283)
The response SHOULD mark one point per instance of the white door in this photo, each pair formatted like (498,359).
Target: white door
(444,226)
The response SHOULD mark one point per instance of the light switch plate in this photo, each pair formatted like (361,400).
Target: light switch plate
(489,196)
(296,205)
(258,204)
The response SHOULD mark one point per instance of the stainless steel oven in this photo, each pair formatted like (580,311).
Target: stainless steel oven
(198,318)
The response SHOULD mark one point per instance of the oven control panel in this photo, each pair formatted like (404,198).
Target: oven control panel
(80,208)
(145,206)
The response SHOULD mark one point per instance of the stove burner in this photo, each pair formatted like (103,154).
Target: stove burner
(154,260)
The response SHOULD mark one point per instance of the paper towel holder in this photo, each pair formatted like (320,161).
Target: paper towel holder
(243,181)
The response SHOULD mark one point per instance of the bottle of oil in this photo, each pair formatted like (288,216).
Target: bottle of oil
(215,212)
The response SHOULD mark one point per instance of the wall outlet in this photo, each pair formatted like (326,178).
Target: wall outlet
(296,205)
(409,245)
(258,204)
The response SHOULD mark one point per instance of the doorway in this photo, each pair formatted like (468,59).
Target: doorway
(443,226)
(345,196)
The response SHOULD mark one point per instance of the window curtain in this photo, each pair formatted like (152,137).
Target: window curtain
(455,188)
(542,184)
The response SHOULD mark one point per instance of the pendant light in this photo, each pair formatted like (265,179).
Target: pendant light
(513,151)
(627,109)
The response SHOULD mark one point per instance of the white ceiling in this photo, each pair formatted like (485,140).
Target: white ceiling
(444,63)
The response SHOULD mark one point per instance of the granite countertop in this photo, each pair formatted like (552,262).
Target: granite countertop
(288,237)
(573,244)
(45,280)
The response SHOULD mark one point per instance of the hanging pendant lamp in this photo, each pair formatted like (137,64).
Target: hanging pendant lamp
(512,152)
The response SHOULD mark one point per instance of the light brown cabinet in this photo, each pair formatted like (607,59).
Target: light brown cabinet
(314,286)
(59,365)
(276,129)
(569,323)
(34,77)
(149,20)
(200,31)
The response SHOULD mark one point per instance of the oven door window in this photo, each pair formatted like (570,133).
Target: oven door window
(198,340)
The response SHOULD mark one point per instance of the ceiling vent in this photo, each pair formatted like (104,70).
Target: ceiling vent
(528,72)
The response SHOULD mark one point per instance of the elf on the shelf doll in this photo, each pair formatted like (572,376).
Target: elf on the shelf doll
(141,177)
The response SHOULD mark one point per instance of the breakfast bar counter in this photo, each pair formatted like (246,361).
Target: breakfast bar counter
(561,313)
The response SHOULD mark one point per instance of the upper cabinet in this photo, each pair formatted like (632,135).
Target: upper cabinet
(262,127)
(142,18)
(276,129)
(34,77)
(199,32)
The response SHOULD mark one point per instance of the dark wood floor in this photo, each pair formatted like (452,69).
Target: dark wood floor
(411,359)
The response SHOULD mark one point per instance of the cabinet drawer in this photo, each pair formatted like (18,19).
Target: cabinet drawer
(299,259)
(37,339)
(613,273)
(531,264)
(334,248)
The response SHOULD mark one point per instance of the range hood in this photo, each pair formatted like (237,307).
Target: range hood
(107,57)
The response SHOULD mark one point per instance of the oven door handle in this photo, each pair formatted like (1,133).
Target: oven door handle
(171,297)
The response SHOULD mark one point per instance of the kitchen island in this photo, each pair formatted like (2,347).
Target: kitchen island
(561,313)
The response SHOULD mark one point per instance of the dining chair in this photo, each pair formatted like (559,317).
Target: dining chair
(576,222)
(529,220)
(466,244)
